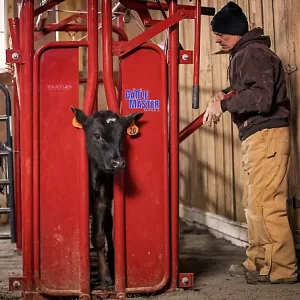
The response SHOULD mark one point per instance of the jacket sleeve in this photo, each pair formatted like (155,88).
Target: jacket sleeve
(256,75)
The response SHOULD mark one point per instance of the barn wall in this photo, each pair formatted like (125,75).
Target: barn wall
(210,160)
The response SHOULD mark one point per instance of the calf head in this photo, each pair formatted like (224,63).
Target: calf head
(104,131)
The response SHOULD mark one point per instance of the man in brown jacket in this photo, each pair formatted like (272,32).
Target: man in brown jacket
(260,109)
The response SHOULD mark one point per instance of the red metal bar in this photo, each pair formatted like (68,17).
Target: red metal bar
(82,27)
(26,96)
(56,26)
(174,144)
(196,87)
(113,104)
(120,32)
(107,56)
(14,26)
(67,27)
(84,261)
(92,83)
(140,5)
(198,122)
(90,96)
(119,236)
(121,25)
(189,129)
(46,6)
(153,31)
(17,166)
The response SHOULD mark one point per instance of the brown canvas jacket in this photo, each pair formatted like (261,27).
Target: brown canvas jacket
(257,75)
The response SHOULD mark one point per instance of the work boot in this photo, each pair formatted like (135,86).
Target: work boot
(235,270)
(253,277)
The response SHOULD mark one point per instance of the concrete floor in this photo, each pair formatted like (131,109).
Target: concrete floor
(206,256)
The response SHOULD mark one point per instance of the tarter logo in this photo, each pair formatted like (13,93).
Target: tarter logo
(59,87)
(140,99)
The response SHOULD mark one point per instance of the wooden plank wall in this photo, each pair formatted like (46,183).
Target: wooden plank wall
(210,160)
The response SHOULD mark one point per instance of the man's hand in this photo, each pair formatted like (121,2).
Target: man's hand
(213,113)
(218,97)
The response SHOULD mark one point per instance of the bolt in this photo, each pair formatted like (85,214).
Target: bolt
(185,280)
(15,55)
(127,18)
(185,57)
(16,284)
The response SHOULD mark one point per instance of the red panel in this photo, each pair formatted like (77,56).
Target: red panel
(146,178)
(58,170)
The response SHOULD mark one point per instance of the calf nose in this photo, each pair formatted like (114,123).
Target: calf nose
(118,163)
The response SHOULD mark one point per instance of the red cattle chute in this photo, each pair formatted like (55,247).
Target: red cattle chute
(54,168)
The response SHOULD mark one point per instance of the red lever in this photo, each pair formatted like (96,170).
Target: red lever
(198,122)
(196,87)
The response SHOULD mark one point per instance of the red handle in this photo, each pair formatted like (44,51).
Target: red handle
(198,122)
(231,93)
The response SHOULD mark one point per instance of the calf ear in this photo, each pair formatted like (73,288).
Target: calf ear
(126,121)
(80,116)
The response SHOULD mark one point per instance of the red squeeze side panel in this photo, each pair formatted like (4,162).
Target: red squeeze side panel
(59,195)
(146,177)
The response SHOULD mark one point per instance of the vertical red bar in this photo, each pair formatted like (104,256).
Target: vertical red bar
(92,31)
(26,96)
(14,27)
(120,23)
(174,143)
(119,205)
(17,166)
(108,75)
(89,100)
(196,87)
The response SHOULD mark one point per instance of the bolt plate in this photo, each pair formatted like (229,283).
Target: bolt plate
(188,54)
(186,280)
(17,284)
(9,56)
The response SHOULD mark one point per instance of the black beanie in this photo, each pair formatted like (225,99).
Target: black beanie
(230,20)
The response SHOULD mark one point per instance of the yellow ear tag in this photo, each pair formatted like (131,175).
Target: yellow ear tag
(132,129)
(75,123)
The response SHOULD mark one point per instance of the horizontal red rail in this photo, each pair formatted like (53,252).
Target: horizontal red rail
(140,5)
(124,48)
